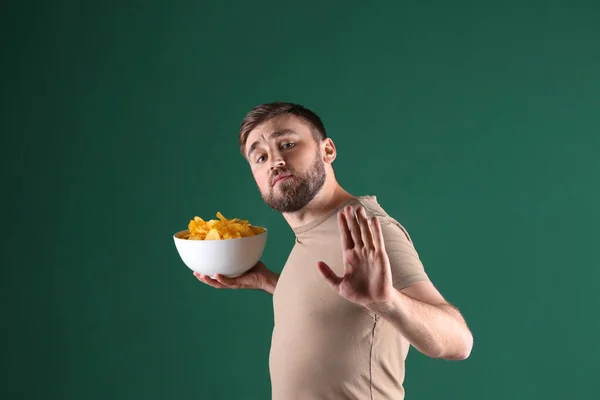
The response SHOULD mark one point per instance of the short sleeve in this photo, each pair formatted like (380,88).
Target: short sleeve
(406,265)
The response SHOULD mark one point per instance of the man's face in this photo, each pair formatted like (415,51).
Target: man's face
(286,162)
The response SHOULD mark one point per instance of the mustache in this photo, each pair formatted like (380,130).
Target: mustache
(281,172)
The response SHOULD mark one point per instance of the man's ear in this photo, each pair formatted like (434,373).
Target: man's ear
(329,151)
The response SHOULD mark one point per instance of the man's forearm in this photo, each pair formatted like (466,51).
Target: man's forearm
(438,331)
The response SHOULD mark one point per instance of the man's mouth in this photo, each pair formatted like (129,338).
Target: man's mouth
(281,178)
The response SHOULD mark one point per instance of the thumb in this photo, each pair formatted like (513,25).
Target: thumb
(329,275)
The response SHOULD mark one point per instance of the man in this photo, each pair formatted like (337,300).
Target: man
(353,294)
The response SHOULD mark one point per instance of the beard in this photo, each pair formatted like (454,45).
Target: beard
(295,193)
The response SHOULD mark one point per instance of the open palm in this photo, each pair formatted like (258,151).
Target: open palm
(367,277)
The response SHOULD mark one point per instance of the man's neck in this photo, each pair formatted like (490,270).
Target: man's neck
(323,203)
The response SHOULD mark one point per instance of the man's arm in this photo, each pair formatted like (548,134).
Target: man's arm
(387,277)
(259,277)
(428,321)
(270,281)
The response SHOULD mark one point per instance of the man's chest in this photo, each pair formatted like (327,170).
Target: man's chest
(303,295)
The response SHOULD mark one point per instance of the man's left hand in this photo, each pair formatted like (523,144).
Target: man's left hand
(367,278)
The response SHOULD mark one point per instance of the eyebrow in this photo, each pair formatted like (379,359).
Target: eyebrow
(272,135)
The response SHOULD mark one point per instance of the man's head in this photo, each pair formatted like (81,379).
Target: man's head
(289,153)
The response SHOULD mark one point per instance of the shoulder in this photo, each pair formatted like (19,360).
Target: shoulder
(405,263)
(391,228)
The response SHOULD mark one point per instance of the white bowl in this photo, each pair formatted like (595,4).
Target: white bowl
(228,257)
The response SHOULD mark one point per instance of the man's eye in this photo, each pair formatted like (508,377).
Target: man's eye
(259,159)
(288,145)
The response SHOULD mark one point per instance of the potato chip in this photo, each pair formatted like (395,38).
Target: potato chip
(220,229)
(213,234)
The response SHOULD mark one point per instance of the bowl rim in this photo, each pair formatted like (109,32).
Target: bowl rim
(217,241)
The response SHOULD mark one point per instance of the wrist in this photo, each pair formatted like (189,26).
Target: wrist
(269,281)
(388,305)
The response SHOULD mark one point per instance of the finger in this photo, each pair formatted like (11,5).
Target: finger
(377,234)
(347,242)
(365,229)
(353,226)
(329,275)
(231,282)
(209,281)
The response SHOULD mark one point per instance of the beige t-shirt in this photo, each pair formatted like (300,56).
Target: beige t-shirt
(323,346)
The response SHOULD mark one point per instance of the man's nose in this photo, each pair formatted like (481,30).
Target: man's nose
(277,161)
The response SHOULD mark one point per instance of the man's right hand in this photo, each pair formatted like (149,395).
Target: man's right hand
(258,277)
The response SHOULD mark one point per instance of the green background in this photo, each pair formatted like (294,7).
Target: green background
(476,124)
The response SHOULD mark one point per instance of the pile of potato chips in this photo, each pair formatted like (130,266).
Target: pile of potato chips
(221,228)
